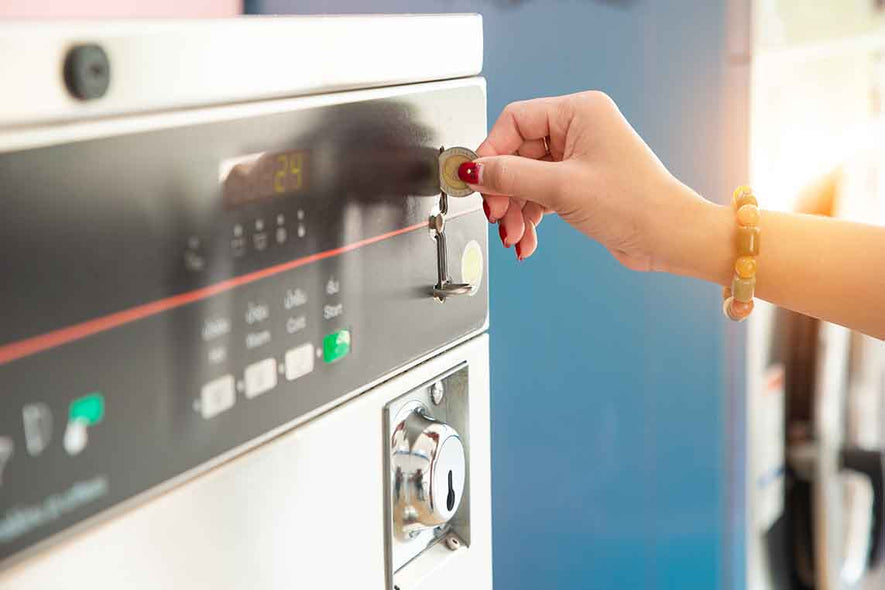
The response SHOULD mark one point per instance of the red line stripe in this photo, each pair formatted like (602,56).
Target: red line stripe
(22,348)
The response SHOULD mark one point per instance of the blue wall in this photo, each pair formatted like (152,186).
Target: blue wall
(607,385)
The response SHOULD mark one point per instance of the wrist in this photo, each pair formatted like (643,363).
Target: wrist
(696,239)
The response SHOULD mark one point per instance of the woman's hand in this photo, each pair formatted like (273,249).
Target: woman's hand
(598,175)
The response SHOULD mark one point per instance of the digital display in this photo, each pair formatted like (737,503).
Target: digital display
(262,176)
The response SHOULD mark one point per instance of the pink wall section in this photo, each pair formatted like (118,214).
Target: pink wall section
(119,8)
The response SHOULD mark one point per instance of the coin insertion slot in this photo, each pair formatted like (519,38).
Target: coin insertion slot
(419,522)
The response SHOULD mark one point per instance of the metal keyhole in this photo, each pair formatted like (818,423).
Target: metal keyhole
(450,499)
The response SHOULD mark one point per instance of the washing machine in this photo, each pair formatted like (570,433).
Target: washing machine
(243,339)
(835,418)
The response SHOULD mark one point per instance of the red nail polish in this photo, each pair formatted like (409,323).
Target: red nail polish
(487,211)
(469,172)
(503,233)
(518,253)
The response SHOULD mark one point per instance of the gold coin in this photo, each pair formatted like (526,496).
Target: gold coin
(449,162)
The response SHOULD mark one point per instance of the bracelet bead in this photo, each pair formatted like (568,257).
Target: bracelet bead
(745,200)
(742,289)
(742,309)
(736,311)
(748,215)
(729,310)
(747,241)
(745,267)
(741,191)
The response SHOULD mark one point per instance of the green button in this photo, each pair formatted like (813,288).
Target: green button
(336,345)
(89,409)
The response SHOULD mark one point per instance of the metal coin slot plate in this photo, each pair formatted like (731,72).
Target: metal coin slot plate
(451,391)
(449,184)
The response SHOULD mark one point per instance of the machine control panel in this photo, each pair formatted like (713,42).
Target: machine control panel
(174,296)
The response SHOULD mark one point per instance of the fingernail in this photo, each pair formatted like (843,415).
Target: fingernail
(518,253)
(488,212)
(469,172)
(503,233)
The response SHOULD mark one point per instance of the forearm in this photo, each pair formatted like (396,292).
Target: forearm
(826,268)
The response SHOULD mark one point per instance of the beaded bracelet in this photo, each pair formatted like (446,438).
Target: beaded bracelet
(738,299)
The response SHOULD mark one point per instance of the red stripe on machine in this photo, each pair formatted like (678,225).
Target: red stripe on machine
(28,346)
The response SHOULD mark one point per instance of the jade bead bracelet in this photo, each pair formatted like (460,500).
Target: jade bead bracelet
(738,298)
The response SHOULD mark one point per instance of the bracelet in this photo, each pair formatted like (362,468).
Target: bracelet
(738,299)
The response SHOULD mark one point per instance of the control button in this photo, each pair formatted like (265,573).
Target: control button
(260,377)
(299,361)
(83,412)
(217,396)
(333,286)
(5,454)
(75,438)
(87,71)
(336,346)
(37,419)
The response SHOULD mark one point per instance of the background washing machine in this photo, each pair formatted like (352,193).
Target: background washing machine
(815,390)
(225,361)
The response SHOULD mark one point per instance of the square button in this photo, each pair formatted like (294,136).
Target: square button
(217,396)
(260,377)
(299,361)
(336,346)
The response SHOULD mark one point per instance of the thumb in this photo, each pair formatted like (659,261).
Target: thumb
(517,176)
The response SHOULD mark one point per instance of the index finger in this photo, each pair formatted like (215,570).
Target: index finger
(526,121)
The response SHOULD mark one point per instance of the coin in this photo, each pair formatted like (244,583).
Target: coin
(449,161)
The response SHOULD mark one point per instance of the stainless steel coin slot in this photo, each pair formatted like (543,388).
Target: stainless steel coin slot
(427,457)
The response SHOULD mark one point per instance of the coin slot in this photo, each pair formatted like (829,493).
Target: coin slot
(450,498)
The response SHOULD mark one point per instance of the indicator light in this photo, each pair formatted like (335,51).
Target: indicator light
(336,346)
(88,409)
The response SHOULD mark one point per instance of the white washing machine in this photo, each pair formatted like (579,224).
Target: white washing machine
(234,350)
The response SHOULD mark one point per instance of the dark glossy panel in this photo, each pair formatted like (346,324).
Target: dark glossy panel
(107,226)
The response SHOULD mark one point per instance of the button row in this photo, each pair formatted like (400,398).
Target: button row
(219,395)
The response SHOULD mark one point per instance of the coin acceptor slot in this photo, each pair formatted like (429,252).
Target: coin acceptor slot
(428,458)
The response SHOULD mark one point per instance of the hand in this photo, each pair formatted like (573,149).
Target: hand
(598,175)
